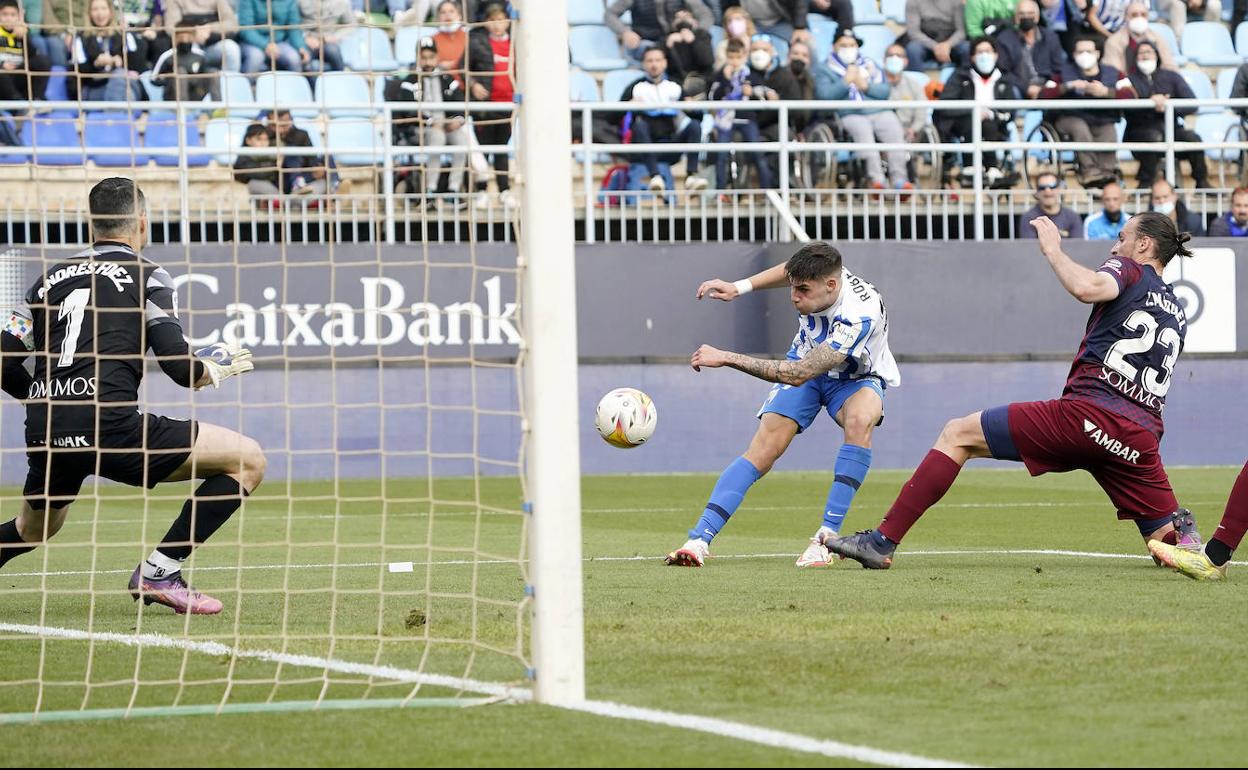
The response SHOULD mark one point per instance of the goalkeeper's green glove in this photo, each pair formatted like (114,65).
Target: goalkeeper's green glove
(224,360)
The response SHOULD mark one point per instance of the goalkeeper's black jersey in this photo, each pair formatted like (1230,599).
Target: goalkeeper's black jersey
(86,321)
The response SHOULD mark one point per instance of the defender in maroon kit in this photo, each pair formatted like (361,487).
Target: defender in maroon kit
(1109,418)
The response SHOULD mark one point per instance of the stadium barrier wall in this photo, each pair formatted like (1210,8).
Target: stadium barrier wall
(974,326)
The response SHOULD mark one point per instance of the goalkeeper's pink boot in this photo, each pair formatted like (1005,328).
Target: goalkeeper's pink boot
(172,591)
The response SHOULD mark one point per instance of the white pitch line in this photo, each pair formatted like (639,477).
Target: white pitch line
(402,566)
(741,731)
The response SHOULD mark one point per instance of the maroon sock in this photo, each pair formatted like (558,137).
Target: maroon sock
(1235,520)
(930,482)
(1171,537)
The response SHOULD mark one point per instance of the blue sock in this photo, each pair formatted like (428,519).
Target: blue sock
(725,498)
(852,464)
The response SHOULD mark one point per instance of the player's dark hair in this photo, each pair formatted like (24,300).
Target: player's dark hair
(115,205)
(1167,239)
(813,262)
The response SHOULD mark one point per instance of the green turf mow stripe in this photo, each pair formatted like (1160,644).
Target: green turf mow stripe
(208,709)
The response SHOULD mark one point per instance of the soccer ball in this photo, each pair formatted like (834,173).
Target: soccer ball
(626,418)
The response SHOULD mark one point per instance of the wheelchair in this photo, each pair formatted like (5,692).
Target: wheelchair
(832,168)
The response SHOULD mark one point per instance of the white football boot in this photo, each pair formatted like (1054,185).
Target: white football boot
(693,553)
(817,553)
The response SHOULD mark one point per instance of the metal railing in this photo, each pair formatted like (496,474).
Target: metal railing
(972,213)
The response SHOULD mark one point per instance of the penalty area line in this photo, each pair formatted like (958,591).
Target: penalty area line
(763,736)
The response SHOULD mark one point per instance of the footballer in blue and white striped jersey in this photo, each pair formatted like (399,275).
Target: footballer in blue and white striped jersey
(857,323)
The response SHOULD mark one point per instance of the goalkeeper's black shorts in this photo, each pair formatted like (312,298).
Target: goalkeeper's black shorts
(143,455)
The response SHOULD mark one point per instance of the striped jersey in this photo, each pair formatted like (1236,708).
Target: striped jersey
(856,323)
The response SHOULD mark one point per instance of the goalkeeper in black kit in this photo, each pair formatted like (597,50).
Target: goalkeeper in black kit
(87,322)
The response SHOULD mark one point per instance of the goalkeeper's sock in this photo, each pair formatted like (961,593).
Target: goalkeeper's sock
(11,543)
(852,464)
(203,514)
(930,482)
(725,498)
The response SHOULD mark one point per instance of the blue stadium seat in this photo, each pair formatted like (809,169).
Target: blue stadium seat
(347,90)
(946,72)
(782,48)
(1201,87)
(367,49)
(894,10)
(8,158)
(1208,43)
(162,132)
(875,40)
(406,39)
(616,81)
(51,133)
(237,96)
(1212,127)
(1241,38)
(718,34)
(1166,32)
(154,92)
(359,135)
(112,131)
(1226,81)
(281,89)
(583,87)
(585,12)
(595,48)
(57,89)
(868,12)
(822,33)
(223,136)
(1121,127)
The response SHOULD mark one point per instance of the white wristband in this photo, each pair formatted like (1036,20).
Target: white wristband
(743,286)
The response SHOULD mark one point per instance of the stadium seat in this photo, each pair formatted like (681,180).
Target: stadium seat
(57,89)
(616,81)
(718,34)
(1201,87)
(868,12)
(342,94)
(876,39)
(1209,44)
(358,135)
(281,89)
(822,33)
(585,12)
(154,92)
(1226,81)
(1121,128)
(1212,128)
(52,132)
(894,10)
(367,49)
(223,136)
(237,96)
(1241,38)
(583,87)
(406,39)
(109,131)
(595,48)
(1166,32)
(162,132)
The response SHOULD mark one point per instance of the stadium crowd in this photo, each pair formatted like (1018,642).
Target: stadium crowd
(656,52)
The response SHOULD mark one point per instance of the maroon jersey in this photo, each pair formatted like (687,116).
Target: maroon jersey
(1130,347)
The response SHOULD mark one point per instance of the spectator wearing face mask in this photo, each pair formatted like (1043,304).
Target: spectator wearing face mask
(983,83)
(1088,79)
(1030,55)
(1104,225)
(737,81)
(690,54)
(1234,223)
(652,22)
(1149,81)
(858,79)
(660,125)
(738,26)
(1165,201)
(1120,46)
(904,89)
(778,84)
(935,32)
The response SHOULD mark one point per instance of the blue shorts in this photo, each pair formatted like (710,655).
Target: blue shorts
(801,403)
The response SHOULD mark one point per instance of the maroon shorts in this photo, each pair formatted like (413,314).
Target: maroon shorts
(1067,434)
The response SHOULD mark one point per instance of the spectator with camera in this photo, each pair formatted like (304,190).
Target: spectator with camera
(690,54)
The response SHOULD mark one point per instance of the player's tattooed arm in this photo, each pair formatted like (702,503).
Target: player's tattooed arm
(819,361)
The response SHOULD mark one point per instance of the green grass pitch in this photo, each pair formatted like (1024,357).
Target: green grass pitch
(986,658)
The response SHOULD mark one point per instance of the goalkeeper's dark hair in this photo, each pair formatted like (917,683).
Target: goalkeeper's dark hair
(814,262)
(1168,242)
(115,205)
